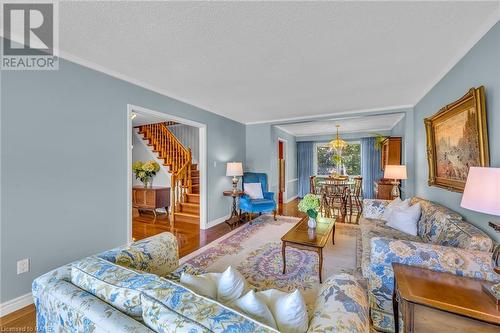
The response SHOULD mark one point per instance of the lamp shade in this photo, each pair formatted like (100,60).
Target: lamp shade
(234,169)
(482,190)
(395,172)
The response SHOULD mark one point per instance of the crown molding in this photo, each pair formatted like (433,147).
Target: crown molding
(397,120)
(335,114)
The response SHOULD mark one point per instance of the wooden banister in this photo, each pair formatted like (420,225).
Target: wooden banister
(176,156)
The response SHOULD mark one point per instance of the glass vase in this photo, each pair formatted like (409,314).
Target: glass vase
(311,223)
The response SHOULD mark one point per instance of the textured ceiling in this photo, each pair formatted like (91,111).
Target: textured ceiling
(260,61)
(378,123)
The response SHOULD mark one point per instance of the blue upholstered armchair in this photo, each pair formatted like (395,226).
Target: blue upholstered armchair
(265,205)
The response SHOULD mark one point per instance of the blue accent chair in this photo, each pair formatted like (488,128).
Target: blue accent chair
(265,205)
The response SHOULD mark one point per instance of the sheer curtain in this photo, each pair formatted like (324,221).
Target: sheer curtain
(305,156)
(370,166)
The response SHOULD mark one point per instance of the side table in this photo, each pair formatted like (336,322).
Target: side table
(432,301)
(235,217)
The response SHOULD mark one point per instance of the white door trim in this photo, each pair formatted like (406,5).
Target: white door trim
(202,164)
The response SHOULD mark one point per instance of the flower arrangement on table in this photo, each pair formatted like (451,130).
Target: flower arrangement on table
(310,204)
(145,171)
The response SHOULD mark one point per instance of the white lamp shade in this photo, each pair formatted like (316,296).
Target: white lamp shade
(395,172)
(234,169)
(482,190)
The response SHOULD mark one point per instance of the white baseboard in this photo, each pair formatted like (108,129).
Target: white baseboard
(291,199)
(15,304)
(217,221)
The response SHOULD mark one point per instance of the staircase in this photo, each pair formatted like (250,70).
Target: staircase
(185,176)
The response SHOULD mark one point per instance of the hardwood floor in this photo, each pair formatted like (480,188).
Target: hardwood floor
(189,237)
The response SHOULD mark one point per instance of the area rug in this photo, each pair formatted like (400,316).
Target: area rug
(255,250)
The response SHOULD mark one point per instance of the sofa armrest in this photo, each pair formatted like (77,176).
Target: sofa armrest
(341,306)
(268,195)
(374,208)
(61,306)
(474,264)
(156,255)
(386,251)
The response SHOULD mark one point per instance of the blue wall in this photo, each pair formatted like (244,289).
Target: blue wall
(405,129)
(480,66)
(64,160)
(262,155)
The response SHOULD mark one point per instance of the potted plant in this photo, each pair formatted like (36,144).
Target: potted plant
(145,171)
(310,205)
(379,138)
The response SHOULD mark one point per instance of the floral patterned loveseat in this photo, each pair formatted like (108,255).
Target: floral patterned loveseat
(445,242)
(134,289)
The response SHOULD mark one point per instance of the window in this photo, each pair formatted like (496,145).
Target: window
(351,156)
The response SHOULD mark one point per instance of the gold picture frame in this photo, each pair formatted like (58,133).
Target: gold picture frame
(457,139)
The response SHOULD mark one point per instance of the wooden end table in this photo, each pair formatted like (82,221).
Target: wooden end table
(432,301)
(235,217)
(301,237)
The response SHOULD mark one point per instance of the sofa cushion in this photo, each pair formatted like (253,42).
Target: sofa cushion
(394,205)
(254,306)
(405,219)
(430,208)
(341,307)
(377,228)
(442,226)
(374,208)
(461,234)
(114,284)
(156,255)
(172,305)
(289,310)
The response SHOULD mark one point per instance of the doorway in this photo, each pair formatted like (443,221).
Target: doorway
(141,116)
(281,170)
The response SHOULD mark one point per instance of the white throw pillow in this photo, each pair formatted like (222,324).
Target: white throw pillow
(253,306)
(204,284)
(231,285)
(289,310)
(406,219)
(395,204)
(254,190)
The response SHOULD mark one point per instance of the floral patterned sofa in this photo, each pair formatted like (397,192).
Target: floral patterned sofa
(445,242)
(134,289)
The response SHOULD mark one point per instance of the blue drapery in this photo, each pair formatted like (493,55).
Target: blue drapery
(305,156)
(370,166)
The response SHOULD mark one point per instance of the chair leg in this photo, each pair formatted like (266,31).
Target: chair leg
(275,214)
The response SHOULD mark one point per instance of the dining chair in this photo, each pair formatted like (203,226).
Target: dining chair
(357,194)
(334,198)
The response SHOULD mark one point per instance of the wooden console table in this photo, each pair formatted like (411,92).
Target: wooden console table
(150,198)
(431,301)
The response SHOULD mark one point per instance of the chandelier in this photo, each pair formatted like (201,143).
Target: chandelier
(338,144)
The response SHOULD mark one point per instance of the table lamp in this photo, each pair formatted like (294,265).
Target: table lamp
(235,170)
(482,194)
(395,172)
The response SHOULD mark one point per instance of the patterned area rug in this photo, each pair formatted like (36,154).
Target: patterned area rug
(255,250)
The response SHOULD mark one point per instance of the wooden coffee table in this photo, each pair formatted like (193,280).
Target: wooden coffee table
(301,237)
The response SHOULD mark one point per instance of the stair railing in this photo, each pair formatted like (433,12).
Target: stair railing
(176,156)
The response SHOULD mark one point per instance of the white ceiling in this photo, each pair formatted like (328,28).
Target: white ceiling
(368,124)
(262,61)
(146,118)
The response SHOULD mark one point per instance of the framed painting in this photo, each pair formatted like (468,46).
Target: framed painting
(457,139)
